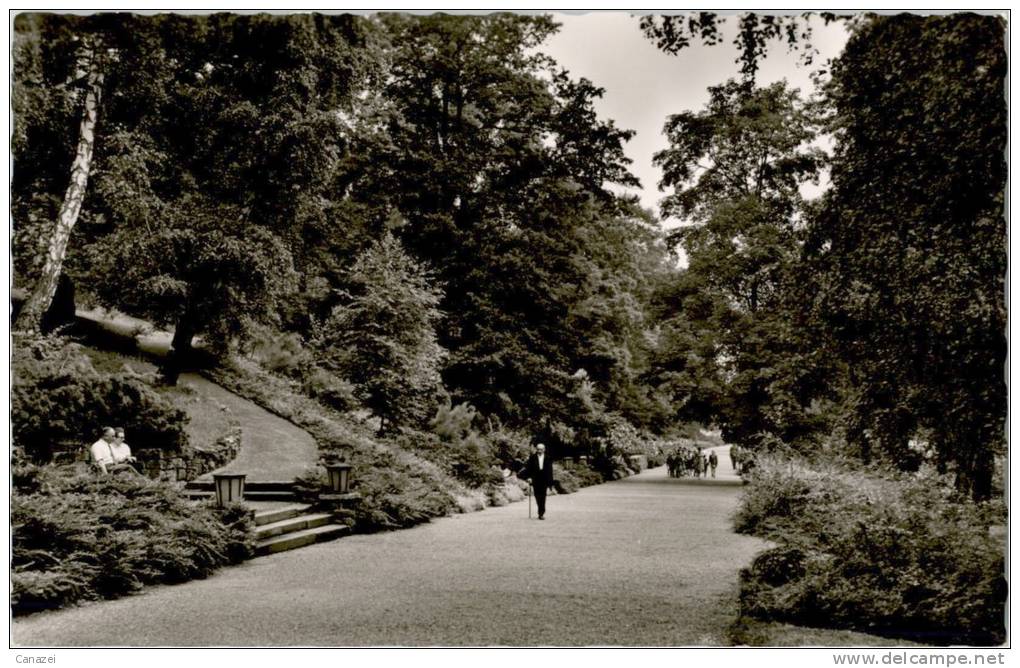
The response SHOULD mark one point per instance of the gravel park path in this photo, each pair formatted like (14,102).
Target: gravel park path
(644,561)
(271,448)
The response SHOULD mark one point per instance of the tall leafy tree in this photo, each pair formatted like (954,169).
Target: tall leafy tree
(491,152)
(223,129)
(382,336)
(735,170)
(196,274)
(911,240)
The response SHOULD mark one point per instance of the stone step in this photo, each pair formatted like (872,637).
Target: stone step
(263,517)
(248,495)
(292,525)
(249,485)
(298,539)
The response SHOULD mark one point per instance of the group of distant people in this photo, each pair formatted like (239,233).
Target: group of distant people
(689,460)
(741,459)
(110,454)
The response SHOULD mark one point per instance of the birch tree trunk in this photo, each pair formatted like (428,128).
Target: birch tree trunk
(39,301)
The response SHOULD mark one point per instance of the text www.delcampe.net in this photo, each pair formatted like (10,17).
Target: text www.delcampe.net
(918,659)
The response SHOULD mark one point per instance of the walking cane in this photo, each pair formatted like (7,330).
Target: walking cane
(529,499)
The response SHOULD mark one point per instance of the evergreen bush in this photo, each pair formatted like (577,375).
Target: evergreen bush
(286,355)
(77,536)
(576,474)
(466,452)
(880,552)
(57,397)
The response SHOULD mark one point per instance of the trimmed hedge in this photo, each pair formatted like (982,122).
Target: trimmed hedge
(884,553)
(77,536)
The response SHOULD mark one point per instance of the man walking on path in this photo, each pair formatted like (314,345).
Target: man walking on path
(539,471)
(713,461)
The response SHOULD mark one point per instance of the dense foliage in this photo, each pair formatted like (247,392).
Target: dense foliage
(468,453)
(906,556)
(911,286)
(382,336)
(727,355)
(244,164)
(59,399)
(499,166)
(877,312)
(172,208)
(81,537)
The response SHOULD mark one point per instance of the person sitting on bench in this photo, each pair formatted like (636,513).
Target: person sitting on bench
(111,454)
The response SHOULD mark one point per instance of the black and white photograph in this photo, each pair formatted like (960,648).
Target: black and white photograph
(509,329)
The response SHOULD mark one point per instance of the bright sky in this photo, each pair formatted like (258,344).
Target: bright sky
(644,85)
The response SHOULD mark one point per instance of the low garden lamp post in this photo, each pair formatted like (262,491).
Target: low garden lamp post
(180,469)
(339,477)
(229,488)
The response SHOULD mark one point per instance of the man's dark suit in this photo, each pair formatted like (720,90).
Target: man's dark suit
(541,479)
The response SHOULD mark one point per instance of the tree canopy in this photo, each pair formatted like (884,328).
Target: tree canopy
(876,314)
(910,242)
(735,170)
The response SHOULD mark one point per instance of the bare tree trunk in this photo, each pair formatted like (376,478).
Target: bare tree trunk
(30,318)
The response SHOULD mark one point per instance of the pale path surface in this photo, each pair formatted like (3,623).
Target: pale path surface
(271,448)
(641,561)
